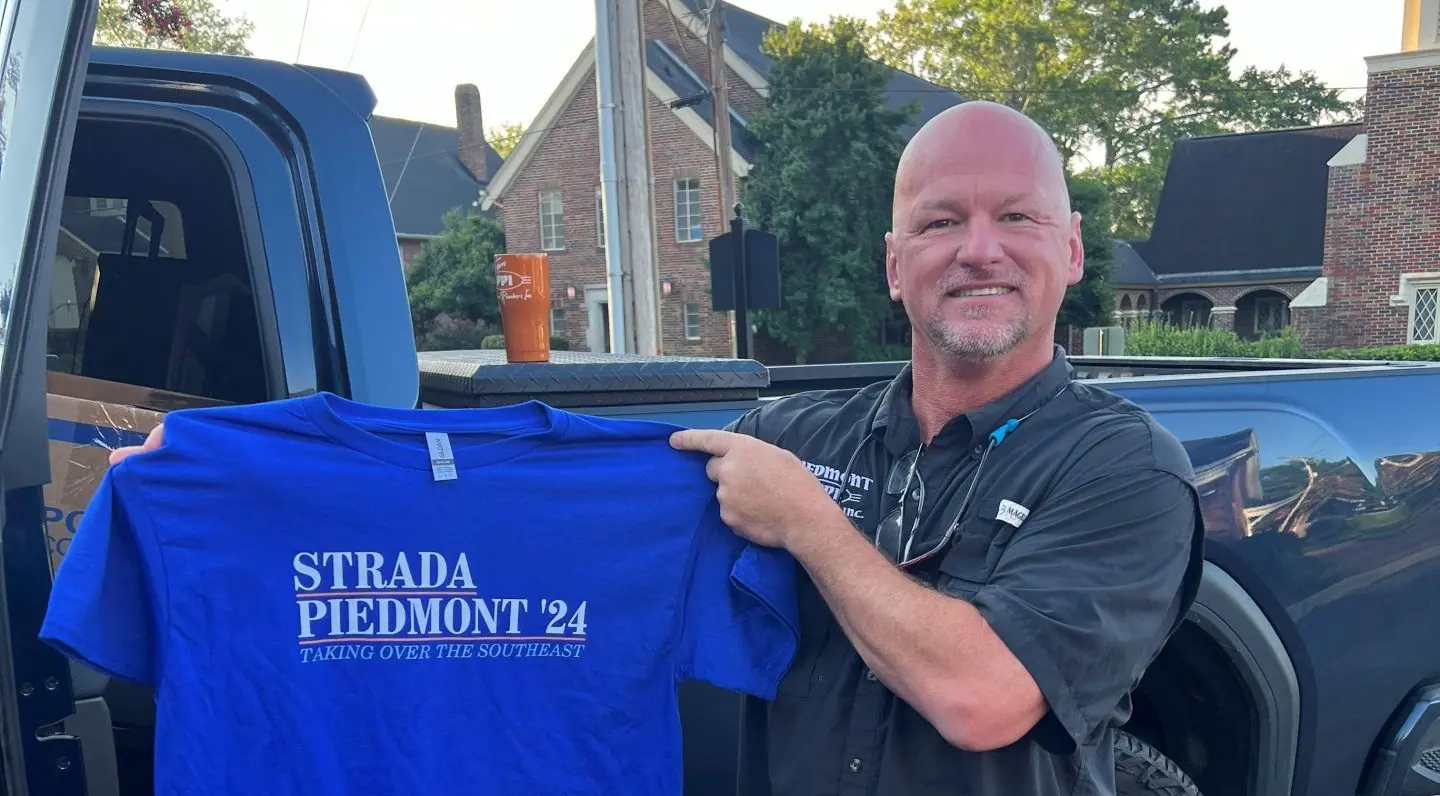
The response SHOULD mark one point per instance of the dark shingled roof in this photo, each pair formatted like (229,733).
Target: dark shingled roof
(685,83)
(745,30)
(1242,207)
(432,180)
(1130,267)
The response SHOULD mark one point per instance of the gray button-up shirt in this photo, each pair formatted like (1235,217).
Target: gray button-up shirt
(1078,538)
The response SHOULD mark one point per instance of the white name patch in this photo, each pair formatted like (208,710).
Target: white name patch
(1012,513)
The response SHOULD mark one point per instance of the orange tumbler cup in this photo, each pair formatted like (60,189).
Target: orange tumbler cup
(522,281)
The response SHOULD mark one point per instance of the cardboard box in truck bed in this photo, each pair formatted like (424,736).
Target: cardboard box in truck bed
(83,431)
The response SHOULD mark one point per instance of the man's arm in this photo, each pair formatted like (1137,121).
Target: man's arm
(933,651)
(1084,595)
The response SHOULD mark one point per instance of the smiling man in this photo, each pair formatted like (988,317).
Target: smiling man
(1004,550)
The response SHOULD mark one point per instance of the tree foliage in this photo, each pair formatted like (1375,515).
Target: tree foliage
(1092,301)
(1115,81)
(453,303)
(821,181)
(193,25)
(504,137)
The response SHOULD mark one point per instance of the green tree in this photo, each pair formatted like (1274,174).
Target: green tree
(1118,80)
(1092,301)
(194,25)
(503,138)
(821,181)
(453,303)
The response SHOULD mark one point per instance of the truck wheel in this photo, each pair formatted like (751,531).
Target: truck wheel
(1141,770)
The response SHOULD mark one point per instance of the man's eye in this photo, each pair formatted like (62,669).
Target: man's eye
(936,224)
(1015,217)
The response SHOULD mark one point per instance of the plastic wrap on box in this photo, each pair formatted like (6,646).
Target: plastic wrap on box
(82,433)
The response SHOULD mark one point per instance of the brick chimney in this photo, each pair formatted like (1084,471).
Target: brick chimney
(470,123)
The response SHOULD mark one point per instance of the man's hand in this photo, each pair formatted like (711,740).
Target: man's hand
(157,436)
(766,494)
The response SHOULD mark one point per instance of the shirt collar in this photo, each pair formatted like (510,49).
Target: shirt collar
(895,421)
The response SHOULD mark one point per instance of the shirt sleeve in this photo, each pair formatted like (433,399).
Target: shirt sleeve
(739,622)
(1089,589)
(101,610)
(747,424)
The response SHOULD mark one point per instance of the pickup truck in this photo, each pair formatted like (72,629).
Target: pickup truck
(184,230)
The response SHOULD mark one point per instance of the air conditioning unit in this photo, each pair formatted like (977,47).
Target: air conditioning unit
(1104,341)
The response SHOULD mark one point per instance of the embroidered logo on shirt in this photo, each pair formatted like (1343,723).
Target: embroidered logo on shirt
(1012,513)
(847,495)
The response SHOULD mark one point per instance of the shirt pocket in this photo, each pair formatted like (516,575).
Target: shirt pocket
(979,543)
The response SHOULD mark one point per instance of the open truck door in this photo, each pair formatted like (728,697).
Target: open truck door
(44,48)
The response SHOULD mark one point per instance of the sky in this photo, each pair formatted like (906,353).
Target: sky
(414,52)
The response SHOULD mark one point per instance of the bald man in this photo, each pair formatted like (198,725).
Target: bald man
(995,551)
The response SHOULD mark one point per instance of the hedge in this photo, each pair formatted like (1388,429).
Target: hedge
(494,341)
(1154,338)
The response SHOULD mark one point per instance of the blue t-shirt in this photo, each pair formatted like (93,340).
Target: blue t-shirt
(321,612)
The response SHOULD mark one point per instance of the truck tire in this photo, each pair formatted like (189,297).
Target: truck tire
(1141,770)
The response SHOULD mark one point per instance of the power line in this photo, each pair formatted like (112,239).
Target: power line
(355,45)
(937,90)
(304,23)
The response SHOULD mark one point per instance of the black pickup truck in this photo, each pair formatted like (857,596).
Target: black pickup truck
(198,229)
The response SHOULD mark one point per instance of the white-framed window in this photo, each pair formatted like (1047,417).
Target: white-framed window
(1421,294)
(688,224)
(1423,325)
(692,320)
(557,322)
(552,220)
(600,216)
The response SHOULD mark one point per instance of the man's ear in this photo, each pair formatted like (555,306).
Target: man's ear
(1077,251)
(892,267)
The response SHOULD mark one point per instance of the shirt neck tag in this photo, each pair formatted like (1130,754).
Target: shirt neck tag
(442,458)
(1012,513)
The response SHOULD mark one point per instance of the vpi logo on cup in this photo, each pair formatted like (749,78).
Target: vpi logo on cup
(848,497)
(509,280)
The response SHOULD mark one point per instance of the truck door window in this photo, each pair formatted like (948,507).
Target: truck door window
(152,283)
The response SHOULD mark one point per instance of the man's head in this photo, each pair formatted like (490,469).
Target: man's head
(983,241)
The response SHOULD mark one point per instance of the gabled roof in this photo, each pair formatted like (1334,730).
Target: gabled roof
(669,78)
(423,161)
(1244,207)
(1130,267)
(745,31)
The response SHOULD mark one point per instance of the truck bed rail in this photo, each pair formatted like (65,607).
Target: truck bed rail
(787,379)
(580,378)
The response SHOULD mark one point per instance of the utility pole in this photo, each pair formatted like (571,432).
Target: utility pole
(720,103)
(720,111)
(632,269)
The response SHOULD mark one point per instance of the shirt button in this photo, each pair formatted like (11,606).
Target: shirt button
(855,765)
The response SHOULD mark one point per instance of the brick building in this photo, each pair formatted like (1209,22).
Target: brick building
(1380,283)
(548,191)
(1239,231)
(431,169)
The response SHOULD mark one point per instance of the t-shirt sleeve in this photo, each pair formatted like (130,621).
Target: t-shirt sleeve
(1090,587)
(101,609)
(739,623)
(747,424)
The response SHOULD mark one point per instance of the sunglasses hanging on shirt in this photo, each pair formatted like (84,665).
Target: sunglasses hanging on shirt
(896,535)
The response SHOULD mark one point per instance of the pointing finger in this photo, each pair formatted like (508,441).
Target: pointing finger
(715,443)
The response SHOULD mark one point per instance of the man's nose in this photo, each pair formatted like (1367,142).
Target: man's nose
(980,245)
